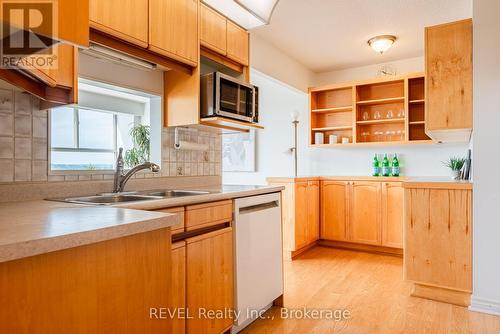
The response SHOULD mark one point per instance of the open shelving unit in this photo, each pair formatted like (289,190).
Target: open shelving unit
(389,111)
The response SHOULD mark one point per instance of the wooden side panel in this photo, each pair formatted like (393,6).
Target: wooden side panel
(301,215)
(204,215)
(173,29)
(448,59)
(364,213)
(210,280)
(213,34)
(334,210)
(312,211)
(181,98)
(124,19)
(438,237)
(107,287)
(178,287)
(237,44)
(392,214)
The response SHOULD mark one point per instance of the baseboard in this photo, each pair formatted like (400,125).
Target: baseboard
(485,306)
(441,294)
(291,255)
(361,247)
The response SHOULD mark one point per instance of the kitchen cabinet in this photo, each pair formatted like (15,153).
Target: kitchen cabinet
(208,214)
(213,31)
(392,214)
(180,227)
(124,19)
(177,301)
(173,29)
(210,283)
(448,67)
(237,44)
(300,213)
(364,213)
(334,210)
(438,242)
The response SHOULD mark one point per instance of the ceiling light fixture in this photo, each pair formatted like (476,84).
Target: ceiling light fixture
(247,13)
(261,9)
(381,43)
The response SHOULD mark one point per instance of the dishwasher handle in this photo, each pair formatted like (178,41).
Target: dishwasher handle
(258,207)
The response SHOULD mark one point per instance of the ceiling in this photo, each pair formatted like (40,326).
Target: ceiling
(327,35)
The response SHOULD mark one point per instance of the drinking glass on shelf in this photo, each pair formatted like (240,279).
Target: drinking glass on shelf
(365,116)
(388,135)
(400,113)
(400,134)
(364,135)
(390,114)
(376,115)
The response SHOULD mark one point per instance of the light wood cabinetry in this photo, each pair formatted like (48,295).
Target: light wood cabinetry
(173,29)
(334,210)
(178,228)
(125,19)
(213,32)
(448,64)
(438,252)
(106,287)
(208,214)
(210,280)
(237,43)
(364,213)
(300,213)
(392,214)
(177,301)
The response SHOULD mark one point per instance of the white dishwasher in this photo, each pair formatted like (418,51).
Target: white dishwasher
(258,256)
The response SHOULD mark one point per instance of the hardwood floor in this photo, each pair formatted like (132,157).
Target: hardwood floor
(371,287)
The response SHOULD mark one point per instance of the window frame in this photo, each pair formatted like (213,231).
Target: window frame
(76,134)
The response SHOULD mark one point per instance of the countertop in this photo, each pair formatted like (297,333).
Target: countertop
(36,227)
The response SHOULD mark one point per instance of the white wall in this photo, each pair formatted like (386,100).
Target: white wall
(486,199)
(266,58)
(278,100)
(402,66)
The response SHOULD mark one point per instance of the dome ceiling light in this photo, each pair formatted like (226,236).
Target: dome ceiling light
(381,43)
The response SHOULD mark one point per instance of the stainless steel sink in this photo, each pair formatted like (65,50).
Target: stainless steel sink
(110,199)
(175,193)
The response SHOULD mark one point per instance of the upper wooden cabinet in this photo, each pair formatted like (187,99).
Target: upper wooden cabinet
(213,33)
(334,210)
(365,208)
(237,43)
(125,19)
(173,29)
(448,66)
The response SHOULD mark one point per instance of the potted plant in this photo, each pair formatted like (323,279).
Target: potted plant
(455,164)
(140,153)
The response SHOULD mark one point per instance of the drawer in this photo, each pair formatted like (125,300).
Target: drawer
(208,214)
(178,228)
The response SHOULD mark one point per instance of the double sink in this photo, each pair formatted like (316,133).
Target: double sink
(110,199)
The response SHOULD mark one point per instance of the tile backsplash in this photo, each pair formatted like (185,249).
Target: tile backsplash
(24,147)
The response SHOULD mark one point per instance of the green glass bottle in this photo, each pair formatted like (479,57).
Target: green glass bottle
(386,168)
(395,165)
(376,166)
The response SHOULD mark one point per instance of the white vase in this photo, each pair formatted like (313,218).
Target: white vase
(455,174)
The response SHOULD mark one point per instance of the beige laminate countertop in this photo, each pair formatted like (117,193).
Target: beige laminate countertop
(36,227)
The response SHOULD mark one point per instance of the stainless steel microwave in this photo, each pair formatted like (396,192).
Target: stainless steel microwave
(225,96)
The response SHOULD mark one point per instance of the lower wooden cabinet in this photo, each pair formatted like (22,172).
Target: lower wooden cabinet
(210,285)
(364,212)
(177,302)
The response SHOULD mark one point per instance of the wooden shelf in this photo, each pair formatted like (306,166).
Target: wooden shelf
(381,101)
(417,123)
(377,143)
(334,109)
(333,128)
(381,121)
(416,101)
(229,124)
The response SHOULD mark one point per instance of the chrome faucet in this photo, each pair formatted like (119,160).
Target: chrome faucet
(121,177)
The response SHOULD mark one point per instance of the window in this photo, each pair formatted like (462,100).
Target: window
(89,135)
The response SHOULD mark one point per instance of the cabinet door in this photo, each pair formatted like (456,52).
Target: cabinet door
(301,215)
(213,30)
(448,58)
(334,210)
(178,288)
(312,211)
(124,19)
(392,214)
(364,213)
(209,280)
(237,43)
(173,29)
